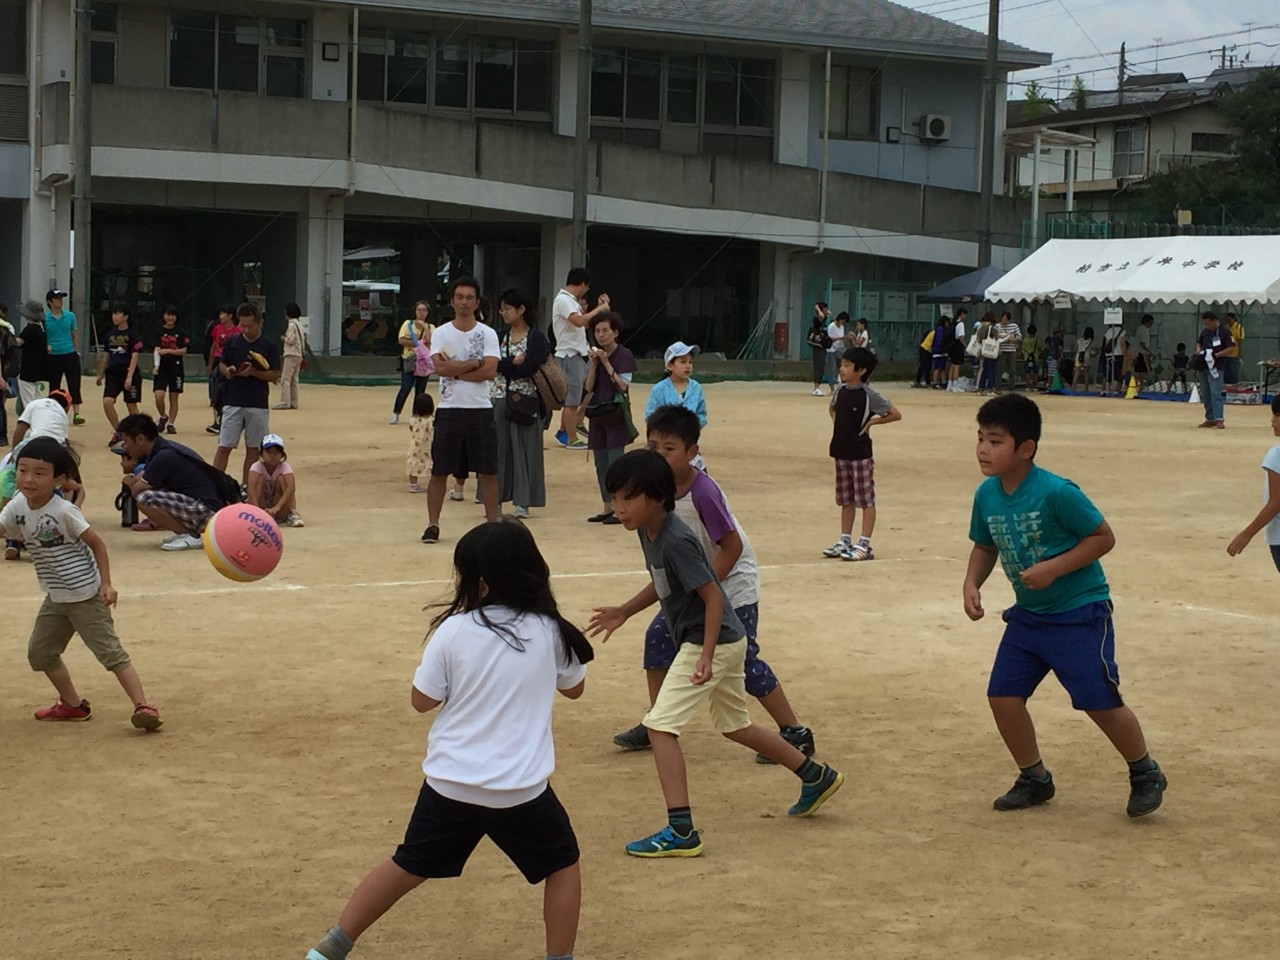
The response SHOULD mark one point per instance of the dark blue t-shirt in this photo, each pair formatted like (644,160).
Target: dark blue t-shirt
(121,346)
(249,391)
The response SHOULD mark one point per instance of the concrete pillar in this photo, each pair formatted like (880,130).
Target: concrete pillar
(319,270)
(795,82)
(781,285)
(557,259)
(566,121)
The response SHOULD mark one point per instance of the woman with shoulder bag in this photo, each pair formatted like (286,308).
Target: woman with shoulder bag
(988,353)
(608,410)
(413,373)
(517,408)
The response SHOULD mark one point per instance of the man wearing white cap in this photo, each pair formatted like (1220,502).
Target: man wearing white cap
(678,389)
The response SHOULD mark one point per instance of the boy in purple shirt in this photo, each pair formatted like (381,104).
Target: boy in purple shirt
(673,432)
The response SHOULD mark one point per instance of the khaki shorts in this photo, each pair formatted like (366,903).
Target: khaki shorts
(725,693)
(57,622)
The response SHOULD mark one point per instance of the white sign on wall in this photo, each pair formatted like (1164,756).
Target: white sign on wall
(1113,316)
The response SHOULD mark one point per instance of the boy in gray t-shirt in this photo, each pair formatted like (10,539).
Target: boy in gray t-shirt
(711,653)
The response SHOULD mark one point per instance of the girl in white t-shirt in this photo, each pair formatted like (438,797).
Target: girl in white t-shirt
(498,654)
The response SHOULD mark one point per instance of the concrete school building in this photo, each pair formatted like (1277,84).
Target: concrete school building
(747,157)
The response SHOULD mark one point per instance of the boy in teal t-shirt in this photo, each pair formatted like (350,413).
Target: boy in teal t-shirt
(1049,538)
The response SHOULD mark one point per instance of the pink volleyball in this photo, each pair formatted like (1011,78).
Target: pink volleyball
(243,542)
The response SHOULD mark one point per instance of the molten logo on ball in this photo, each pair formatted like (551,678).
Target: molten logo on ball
(242,542)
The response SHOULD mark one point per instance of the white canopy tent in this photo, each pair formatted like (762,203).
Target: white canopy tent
(1181,269)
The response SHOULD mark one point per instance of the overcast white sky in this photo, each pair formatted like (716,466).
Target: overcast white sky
(1142,24)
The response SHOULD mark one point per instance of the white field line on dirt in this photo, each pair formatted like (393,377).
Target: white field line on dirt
(284,587)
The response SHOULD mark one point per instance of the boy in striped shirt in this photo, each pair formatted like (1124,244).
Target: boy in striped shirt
(72,568)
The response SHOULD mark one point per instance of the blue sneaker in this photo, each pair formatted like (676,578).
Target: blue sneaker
(562,438)
(666,843)
(814,795)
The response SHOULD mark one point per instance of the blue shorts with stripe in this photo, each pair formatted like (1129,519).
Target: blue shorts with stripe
(1079,646)
(660,650)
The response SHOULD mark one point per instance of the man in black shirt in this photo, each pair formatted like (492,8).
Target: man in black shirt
(175,489)
(35,352)
(249,364)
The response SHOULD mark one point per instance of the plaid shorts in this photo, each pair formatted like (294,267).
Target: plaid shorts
(188,511)
(856,483)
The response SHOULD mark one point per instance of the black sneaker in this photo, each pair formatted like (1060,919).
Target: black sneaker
(1027,792)
(1146,792)
(161,424)
(637,738)
(431,534)
(799,737)
(213,428)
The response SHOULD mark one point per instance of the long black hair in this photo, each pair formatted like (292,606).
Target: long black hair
(504,557)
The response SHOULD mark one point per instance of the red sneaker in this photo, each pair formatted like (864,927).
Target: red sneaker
(64,711)
(146,717)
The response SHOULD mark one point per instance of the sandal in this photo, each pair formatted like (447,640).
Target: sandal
(144,526)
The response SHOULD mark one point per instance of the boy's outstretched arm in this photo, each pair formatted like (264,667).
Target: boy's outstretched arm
(608,619)
(982,560)
(1270,510)
(1093,547)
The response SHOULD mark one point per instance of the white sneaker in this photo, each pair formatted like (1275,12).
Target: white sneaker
(183,541)
(837,549)
(395,418)
(817,392)
(417,488)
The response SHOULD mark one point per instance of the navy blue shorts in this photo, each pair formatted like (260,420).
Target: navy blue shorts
(660,650)
(1275,555)
(1079,646)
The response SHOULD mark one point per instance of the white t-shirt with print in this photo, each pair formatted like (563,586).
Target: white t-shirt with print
(64,564)
(570,340)
(491,744)
(1271,464)
(45,418)
(475,344)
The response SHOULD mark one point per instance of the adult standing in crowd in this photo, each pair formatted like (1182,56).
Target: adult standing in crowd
(412,332)
(35,352)
(291,357)
(1143,358)
(517,408)
(818,342)
(1231,356)
(987,365)
(464,440)
(1010,336)
(955,350)
(840,340)
(250,363)
(608,384)
(569,324)
(1214,339)
(64,349)
(1083,362)
(1115,345)
(220,331)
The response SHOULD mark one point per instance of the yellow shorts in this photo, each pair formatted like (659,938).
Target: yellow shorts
(725,693)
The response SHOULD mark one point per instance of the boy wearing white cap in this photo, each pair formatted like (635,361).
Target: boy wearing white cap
(272,485)
(678,389)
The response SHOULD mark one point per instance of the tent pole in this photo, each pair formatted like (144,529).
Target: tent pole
(1035,194)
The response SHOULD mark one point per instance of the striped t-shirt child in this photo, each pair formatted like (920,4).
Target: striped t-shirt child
(64,564)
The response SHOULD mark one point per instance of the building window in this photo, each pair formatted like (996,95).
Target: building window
(408,66)
(682,90)
(453,74)
(626,85)
(102,43)
(855,103)
(13,39)
(738,93)
(534,76)
(1129,155)
(223,52)
(495,75)
(1210,143)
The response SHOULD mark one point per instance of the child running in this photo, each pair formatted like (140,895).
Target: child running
(500,652)
(709,665)
(171,345)
(1268,517)
(272,484)
(674,432)
(678,388)
(1048,537)
(855,409)
(72,568)
(121,371)
(1180,363)
(418,462)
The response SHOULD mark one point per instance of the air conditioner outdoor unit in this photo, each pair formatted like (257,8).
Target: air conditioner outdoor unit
(935,126)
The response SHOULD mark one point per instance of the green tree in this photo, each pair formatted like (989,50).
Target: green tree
(1244,190)
(1079,95)
(1037,103)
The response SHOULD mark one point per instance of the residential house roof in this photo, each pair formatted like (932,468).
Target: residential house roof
(874,26)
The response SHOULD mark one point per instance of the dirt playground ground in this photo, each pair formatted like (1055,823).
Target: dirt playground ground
(289,759)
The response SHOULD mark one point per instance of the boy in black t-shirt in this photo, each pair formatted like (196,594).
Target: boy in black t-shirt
(171,343)
(855,409)
(121,371)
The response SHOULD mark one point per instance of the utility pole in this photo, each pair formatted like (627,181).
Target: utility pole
(989,86)
(582,136)
(1120,88)
(82,219)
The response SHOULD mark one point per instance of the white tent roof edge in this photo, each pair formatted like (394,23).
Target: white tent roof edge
(1177,269)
